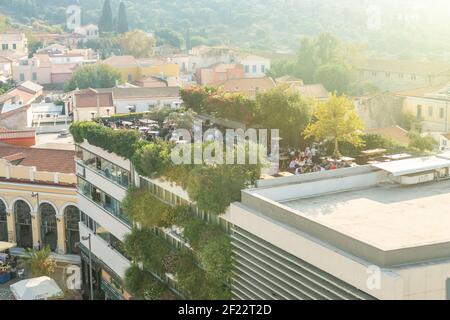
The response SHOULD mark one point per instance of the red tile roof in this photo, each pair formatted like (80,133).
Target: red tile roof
(47,160)
(92,98)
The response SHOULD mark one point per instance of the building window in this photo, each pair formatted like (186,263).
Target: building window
(22,77)
(441,113)
(247,69)
(388,75)
(130,78)
(14,46)
(419,112)
(374,73)
(34,76)
(413,77)
(430,111)
(263,69)
(254,69)
(400,75)
(4,46)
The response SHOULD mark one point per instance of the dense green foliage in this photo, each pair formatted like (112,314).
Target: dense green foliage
(142,285)
(201,273)
(5,87)
(334,77)
(106,19)
(122,19)
(169,37)
(270,109)
(422,143)
(121,142)
(147,209)
(93,76)
(212,187)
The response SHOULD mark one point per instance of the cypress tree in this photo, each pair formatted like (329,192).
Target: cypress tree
(122,20)
(106,20)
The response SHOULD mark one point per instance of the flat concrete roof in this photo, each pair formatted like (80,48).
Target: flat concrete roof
(388,216)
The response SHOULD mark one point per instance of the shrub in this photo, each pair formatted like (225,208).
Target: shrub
(122,142)
(152,159)
(215,257)
(41,263)
(142,285)
(145,208)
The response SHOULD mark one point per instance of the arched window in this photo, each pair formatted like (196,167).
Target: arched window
(49,234)
(24,233)
(3,223)
(72,218)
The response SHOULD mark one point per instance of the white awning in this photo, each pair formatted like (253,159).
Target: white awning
(40,288)
(411,166)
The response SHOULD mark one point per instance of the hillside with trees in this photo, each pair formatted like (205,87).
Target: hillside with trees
(395,28)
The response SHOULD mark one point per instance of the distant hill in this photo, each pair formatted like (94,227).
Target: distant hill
(405,28)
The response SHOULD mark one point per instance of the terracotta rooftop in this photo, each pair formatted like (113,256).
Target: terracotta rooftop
(248,86)
(46,160)
(317,91)
(395,133)
(89,98)
(121,61)
(422,91)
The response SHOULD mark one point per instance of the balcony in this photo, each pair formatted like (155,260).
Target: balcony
(117,226)
(104,252)
(99,178)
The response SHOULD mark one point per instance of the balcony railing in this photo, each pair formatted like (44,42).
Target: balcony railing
(110,208)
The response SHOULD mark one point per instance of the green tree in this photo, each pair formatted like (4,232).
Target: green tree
(122,19)
(5,24)
(41,263)
(136,43)
(5,87)
(198,41)
(422,143)
(106,19)
(334,77)
(285,110)
(169,37)
(336,120)
(93,76)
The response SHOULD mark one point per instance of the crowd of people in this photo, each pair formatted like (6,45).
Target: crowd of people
(313,159)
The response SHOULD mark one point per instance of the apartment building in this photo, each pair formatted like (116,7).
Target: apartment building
(52,66)
(133,69)
(38,203)
(369,232)
(13,42)
(219,72)
(103,180)
(429,106)
(395,75)
(254,66)
(85,105)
